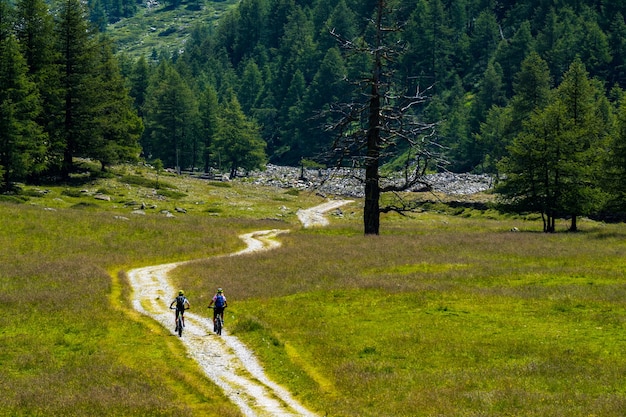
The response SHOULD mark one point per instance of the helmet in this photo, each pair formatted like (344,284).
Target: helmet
(219,290)
(181,292)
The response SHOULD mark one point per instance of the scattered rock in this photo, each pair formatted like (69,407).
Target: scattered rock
(102,197)
(349,183)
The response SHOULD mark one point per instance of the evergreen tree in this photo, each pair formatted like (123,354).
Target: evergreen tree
(490,93)
(594,48)
(511,52)
(21,138)
(430,42)
(251,87)
(139,81)
(341,20)
(172,119)
(238,141)
(532,91)
(617,44)
(587,125)
(614,163)
(552,164)
(484,39)
(328,87)
(76,46)
(117,127)
(531,88)
(291,116)
(298,50)
(209,116)
(251,28)
(35,31)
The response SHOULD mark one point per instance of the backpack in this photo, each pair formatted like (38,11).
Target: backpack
(180,302)
(220,301)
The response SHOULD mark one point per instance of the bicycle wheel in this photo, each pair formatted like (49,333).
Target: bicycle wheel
(180,326)
(218,325)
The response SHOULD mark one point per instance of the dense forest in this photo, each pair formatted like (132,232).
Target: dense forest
(530,90)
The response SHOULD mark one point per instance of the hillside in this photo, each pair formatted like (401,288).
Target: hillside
(161,28)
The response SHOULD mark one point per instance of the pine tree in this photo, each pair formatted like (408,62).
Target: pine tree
(21,138)
(251,86)
(117,127)
(552,165)
(172,119)
(532,92)
(76,46)
(209,117)
(238,141)
(139,81)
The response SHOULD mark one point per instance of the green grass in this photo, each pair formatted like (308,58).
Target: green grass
(440,315)
(163,28)
(70,343)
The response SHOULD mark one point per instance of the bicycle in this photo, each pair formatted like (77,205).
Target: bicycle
(218,323)
(179,322)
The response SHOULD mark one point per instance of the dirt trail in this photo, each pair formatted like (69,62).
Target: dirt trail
(225,360)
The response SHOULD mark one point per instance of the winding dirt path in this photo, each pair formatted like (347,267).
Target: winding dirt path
(225,360)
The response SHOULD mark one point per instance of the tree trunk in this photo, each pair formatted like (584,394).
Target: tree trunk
(371,213)
(573,226)
(371,210)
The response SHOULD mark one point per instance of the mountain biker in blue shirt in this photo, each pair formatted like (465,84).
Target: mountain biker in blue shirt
(180,302)
(219,302)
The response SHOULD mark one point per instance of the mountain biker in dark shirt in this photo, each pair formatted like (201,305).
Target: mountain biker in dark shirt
(219,302)
(180,302)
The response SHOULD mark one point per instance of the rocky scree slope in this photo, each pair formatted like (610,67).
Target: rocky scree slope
(349,183)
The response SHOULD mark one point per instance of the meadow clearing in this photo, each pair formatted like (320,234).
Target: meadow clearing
(446,313)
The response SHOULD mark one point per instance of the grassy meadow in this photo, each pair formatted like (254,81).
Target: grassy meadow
(441,315)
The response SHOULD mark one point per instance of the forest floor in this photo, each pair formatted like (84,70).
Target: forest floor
(225,360)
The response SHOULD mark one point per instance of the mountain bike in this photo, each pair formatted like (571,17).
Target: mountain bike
(218,323)
(179,322)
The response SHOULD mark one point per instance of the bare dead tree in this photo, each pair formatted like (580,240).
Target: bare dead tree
(384,123)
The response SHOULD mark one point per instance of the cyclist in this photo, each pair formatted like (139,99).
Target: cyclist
(180,302)
(219,302)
